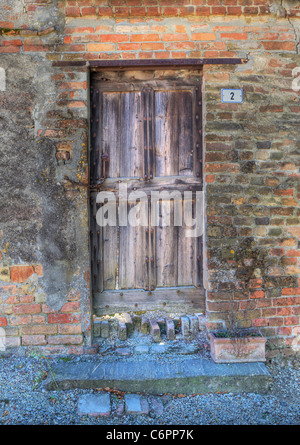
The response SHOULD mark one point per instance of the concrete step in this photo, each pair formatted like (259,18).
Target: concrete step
(150,376)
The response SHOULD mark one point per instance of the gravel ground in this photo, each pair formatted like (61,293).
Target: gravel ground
(23,400)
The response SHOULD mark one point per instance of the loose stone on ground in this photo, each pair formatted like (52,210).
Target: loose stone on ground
(94,405)
(136,404)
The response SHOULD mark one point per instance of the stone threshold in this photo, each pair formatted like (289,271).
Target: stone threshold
(146,375)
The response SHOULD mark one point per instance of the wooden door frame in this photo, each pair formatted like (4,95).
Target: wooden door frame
(161,299)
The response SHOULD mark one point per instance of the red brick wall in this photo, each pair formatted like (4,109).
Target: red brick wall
(251,167)
(158,8)
(169,8)
(29,321)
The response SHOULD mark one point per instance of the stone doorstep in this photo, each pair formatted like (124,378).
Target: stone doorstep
(184,376)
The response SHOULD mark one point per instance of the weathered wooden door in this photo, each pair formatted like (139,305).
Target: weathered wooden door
(146,134)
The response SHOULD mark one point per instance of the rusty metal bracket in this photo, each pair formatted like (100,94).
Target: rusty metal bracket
(87,186)
(105,159)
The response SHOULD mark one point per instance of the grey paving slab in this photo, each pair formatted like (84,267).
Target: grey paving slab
(136,404)
(94,405)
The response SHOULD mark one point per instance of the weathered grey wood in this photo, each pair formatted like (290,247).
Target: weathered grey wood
(149,125)
(184,300)
(145,135)
(197,132)
(166,136)
(166,248)
(110,137)
(100,262)
(185,132)
(186,258)
(152,258)
(156,184)
(198,261)
(132,256)
(131,129)
(96,243)
(93,132)
(110,249)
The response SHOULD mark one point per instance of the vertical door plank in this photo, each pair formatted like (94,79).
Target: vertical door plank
(145,134)
(152,256)
(166,249)
(132,150)
(186,257)
(185,132)
(110,256)
(95,136)
(198,261)
(150,134)
(132,256)
(198,150)
(166,133)
(96,246)
(100,262)
(110,115)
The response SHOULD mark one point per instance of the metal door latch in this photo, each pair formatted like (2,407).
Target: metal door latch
(105,159)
